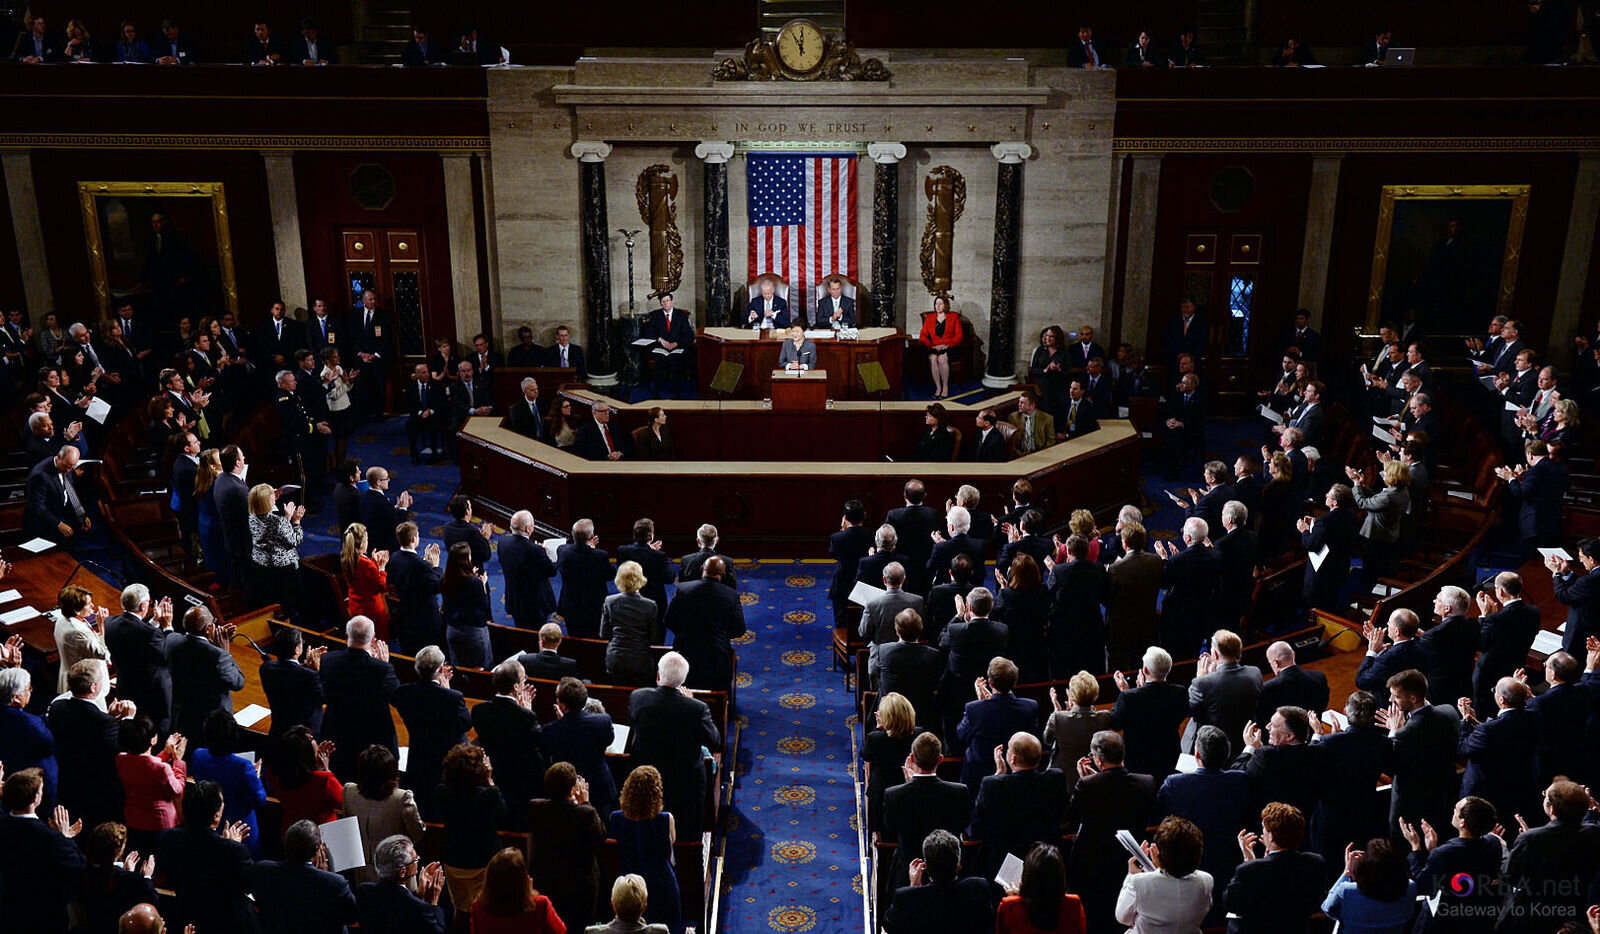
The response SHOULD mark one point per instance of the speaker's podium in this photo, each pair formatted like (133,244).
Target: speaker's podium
(802,391)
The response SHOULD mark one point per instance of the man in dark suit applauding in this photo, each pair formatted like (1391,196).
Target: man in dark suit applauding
(581,738)
(292,685)
(379,515)
(436,721)
(847,547)
(1224,692)
(836,309)
(139,640)
(405,899)
(204,674)
(914,524)
(41,865)
(968,644)
(1407,651)
(547,663)
(1425,738)
(528,571)
(298,895)
(1107,798)
(1580,592)
(427,405)
(1279,892)
(992,719)
(584,570)
(936,900)
(768,311)
(414,618)
(1291,685)
(509,731)
(689,565)
(645,550)
(704,617)
(669,729)
(358,682)
(1149,715)
(908,667)
(1020,804)
(921,804)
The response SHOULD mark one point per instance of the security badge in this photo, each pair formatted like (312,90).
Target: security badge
(330,337)
(377,330)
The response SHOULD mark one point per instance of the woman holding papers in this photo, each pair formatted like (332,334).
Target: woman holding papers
(380,806)
(1176,894)
(1040,902)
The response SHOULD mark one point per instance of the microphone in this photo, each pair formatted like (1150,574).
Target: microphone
(252,643)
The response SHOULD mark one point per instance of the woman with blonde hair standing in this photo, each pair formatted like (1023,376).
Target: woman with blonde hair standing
(213,550)
(628,619)
(275,549)
(366,579)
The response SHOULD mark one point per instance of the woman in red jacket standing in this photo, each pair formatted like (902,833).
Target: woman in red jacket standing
(366,579)
(941,333)
(152,784)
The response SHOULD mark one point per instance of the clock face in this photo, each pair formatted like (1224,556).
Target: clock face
(800,46)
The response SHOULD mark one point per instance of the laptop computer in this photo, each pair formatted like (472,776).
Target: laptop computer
(1401,57)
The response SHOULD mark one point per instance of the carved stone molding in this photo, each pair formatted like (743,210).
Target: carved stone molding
(591,150)
(761,63)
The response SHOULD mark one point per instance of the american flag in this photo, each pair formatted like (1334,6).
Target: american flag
(802,220)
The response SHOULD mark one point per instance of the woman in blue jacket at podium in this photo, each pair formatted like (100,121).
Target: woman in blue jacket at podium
(797,353)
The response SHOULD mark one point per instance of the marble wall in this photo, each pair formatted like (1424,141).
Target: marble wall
(946,112)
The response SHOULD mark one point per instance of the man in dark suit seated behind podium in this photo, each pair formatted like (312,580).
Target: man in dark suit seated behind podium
(1081,417)
(564,353)
(836,309)
(527,417)
(598,441)
(989,445)
(768,310)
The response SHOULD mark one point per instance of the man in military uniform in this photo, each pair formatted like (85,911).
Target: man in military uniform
(302,435)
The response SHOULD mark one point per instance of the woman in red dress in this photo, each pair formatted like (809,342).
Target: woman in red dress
(941,332)
(366,580)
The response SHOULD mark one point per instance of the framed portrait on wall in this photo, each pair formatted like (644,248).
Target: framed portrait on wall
(166,245)
(1446,252)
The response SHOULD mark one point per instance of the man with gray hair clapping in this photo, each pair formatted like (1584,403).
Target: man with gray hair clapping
(405,899)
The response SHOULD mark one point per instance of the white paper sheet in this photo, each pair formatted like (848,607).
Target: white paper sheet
(37,545)
(10,595)
(1460,494)
(20,614)
(1543,553)
(619,739)
(1174,497)
(404,757)
(550,546)
(1132,846)
(1270,415)
(1382,435)
(98,409)
(1010,874)
(1383,590)
(665,352)
(248,756)
(818,334)
(644,342)
(1187,763)
(1562,628)
(1513,407)
(1122,411)
(251,715)
(1317,557)
(1547,642)
(343,840)
(1146,435)
(1336,720)
(864,593)
(1380,420)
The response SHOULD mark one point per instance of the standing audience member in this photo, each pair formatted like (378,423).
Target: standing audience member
(1279,890)
(212,759)
(152,782)
(529,598)
(564,836)
(936,898)
(671,731)
(366,579)
(358,682)
(473,811)
(380,806)
(436,721)
(465,591)
(1149,714)
(508,902)
(204,674)
(297,775)
(884,751)
(39,862)
(1375,894)
(1175,896)
(1215,799)
(113,883)
(1020,804)
(205,863)
(25,741)
(629,620)
(645,834)
(584,571)
(509,733)
(921,804)
(581,736)
(405,899)
(299,895)
(629,899)
(1225,692)
(85,728)
(1040,902)
(414,619)
(1109,798)
(1068,730)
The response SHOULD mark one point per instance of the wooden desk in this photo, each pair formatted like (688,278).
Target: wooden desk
(799,392)
(39,578)
(785,507)
(759,355)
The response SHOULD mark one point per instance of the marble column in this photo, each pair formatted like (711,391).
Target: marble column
(18,167)
(284,205)
(1141,254)
(591,156)
(461,224)
(885,229)
(715,156)
(1575,271)
(1321,208)
(1002,369)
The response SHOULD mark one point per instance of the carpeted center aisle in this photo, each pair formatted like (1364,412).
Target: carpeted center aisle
(791,834)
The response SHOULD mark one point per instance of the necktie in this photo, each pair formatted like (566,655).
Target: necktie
(369,319)
(1072,416)
(605,432)
(88,351)
(279,327)
(70,496)
(422,394)
(538,428)
(1088,48)
(1538,400)
(563,355)
(1027,433)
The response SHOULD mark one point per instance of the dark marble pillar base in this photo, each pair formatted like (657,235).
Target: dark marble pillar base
(885,242)
(601,336)
(716,245)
